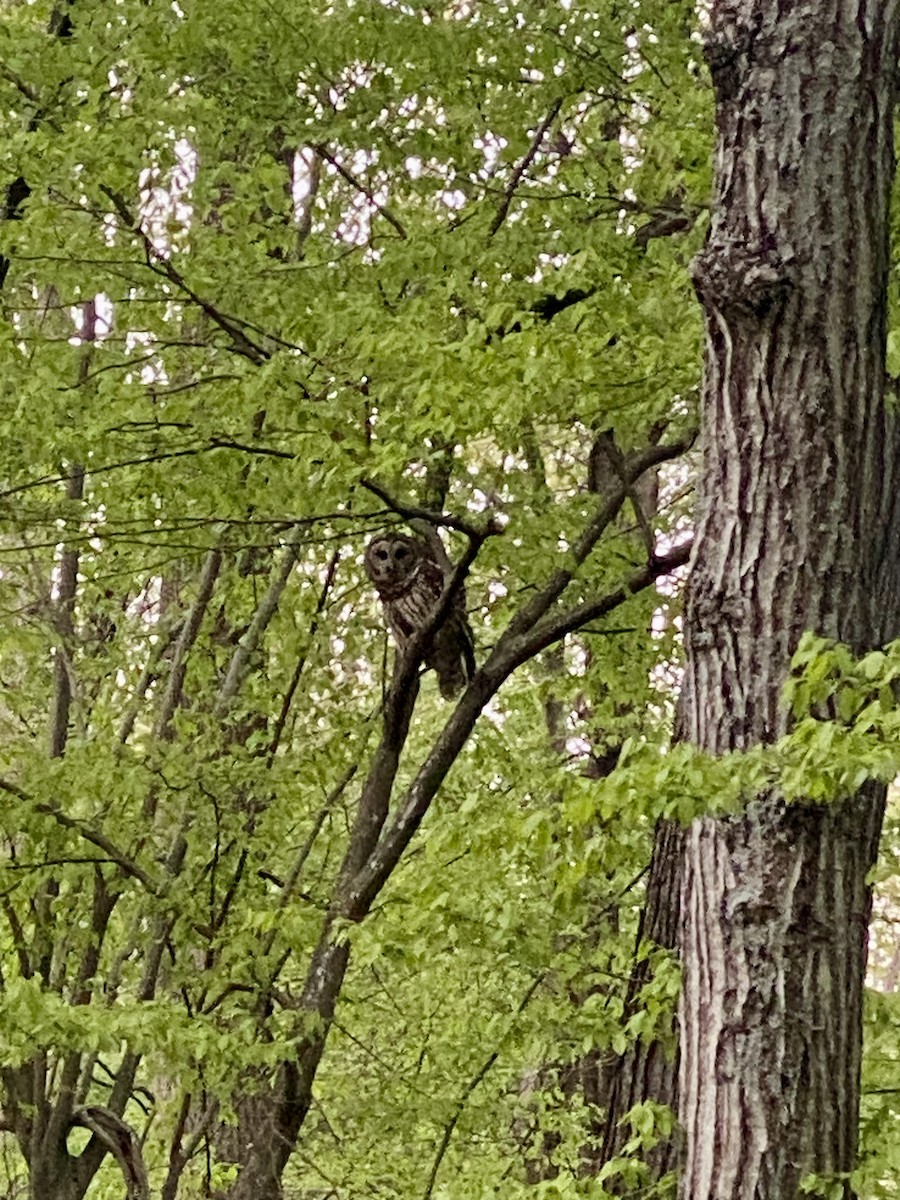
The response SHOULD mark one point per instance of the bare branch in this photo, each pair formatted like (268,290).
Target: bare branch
(188,636)
(119,1140)
(163,266)
(63,609)
(527,160)
(212,444)
(180,1155)
(293,878)
(304,224)
(19,940)
(605,444)
(551,630)
(411,512)
(94,836)
(301,661)
(19,83)
(634,467)
(467,1092)
(148,675)
(250,640)
(360,187)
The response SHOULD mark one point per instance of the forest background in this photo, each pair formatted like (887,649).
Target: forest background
(277,277)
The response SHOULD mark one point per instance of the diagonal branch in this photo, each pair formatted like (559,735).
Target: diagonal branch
(119,1140)
(163,266)
(554,629)
(412,512)
(186,639)
(527,160)
(633,468)
(94,836)
(468,1090)
(250,640)
(506,657)
(323,150)
(288,699)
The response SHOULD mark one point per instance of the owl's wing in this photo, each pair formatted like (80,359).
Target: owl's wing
(456,620)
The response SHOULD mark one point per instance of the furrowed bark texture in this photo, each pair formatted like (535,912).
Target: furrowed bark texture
(798,529)
(647,1070)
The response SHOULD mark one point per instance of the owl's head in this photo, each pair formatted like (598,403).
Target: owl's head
(392,559)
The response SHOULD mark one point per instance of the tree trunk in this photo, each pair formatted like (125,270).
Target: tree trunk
(51,1176)
(798,529)
(647,1070)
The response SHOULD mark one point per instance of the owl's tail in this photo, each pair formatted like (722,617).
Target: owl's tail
(454,660)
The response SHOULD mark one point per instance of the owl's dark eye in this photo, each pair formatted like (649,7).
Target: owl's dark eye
(381,555)
(401,552)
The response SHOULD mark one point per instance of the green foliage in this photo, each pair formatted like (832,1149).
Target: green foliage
(324,244)
(270,251)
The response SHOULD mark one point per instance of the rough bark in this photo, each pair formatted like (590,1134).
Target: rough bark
(647,1071)
(798,529)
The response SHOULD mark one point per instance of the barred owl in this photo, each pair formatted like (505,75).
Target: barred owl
(409,581)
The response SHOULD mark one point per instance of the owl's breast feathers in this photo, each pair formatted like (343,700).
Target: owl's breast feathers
(409,604)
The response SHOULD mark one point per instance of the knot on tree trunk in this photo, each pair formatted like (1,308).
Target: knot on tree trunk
(740,277)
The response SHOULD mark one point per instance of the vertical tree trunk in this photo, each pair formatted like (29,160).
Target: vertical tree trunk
(798,529)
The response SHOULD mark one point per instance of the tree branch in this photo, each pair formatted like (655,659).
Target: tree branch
(411,512)
(119,1140)
(469,1089)
(213,444)
(551,630)
(186,639)
(63,609)
(633,468)
(508,654)
(360,187)
(94,836)
(523,166)
(163,266)
(301,661)
(250,640)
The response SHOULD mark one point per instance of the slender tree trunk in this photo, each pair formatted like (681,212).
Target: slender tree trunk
(648,1070)
(798,529)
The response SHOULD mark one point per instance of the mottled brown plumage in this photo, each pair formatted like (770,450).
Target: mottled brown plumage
(409,581)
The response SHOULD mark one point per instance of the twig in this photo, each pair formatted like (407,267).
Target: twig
(301,661)
(304,221)
(411,512)
(555,629)
(186,639)
(268,606)
(360,187)
(94,836)
(19,83)
(523,166)
(605,443)
(212,444)
(300,862)
(148,675)
(469,1089)
(536,608)
(64,607)
(163,266)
